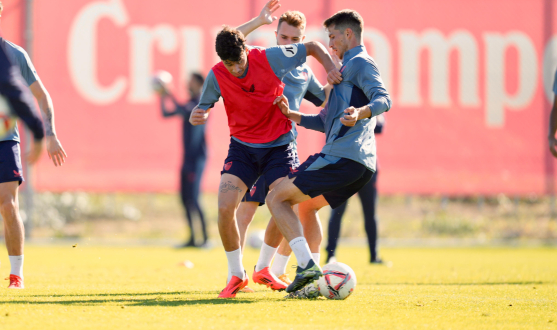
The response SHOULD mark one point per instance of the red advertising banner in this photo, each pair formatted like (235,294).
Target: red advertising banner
(470,82)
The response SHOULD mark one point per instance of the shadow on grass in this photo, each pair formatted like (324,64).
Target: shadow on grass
(175,298)
(466,283)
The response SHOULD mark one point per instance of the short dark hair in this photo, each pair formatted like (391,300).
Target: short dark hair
(197,76)
(230,44)
(344,19)
(1,6)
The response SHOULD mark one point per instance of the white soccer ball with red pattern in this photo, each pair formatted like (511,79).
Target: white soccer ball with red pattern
(7,119)
(338,281)
(161,81)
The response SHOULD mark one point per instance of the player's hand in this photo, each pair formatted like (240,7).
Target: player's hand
(351,116)
(553,146)
(266,15)
(55,150)
(199,116)
(334,77)
(282,103)
(35,153)
(336,60)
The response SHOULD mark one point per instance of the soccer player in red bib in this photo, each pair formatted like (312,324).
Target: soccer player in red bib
(249,80)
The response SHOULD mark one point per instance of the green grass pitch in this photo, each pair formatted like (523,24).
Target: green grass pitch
(90,287)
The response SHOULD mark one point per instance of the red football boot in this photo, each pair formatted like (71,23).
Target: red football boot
(267,278)
(236,284)
(16,282)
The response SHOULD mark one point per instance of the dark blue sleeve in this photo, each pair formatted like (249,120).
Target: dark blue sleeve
(284,59)
(315,92)
(19,97)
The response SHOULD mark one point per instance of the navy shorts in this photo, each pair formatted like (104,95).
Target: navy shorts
(337,179)
(248,163)
(10,162)
(258,192)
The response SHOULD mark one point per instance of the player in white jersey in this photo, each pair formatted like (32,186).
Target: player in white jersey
(11,175)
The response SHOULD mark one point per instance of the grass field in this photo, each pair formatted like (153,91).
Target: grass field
(90,287)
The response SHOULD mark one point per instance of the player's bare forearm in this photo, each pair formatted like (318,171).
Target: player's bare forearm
(264,18)
(295,116)
(45,104)
(319,52)
(364,112)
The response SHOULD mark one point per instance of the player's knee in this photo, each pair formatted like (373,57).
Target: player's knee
(226,210)
(8,206)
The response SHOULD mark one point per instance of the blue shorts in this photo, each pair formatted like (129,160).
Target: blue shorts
(248,163)
(260,189)
(10,162)
(337,179)
(258,192)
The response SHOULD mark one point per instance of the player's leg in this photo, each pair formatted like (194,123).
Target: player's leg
(253,198)
(336,179)
(238,173)
(334,231)
(197,175)
(231,191)
(309,217)
(14,231)
(186,192)
(278,163)
(307,213)
(368,197)
(245,214)
(262,273)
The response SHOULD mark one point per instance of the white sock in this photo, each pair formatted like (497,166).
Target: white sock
(265,257)
(17,265)
(235,267)
(316,257)
(279,264)
(301,249)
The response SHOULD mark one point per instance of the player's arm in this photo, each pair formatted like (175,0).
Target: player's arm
(328,88)
(320,53)
(21,103)
(553,127)
(166,112)
(53,145)
(367,78)
(315,92)
(313,122)
(286,58)
(265,17)
(209,96)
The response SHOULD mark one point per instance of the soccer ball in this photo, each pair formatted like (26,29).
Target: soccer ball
(7,119)
(256,238)
(338,281)
(160,81)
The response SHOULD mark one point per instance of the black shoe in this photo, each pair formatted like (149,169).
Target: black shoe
(305,276)
(377,261)
(186,245)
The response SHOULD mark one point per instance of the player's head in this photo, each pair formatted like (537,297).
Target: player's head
(345,30)
(231,48)
(195,85)
(291,28)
